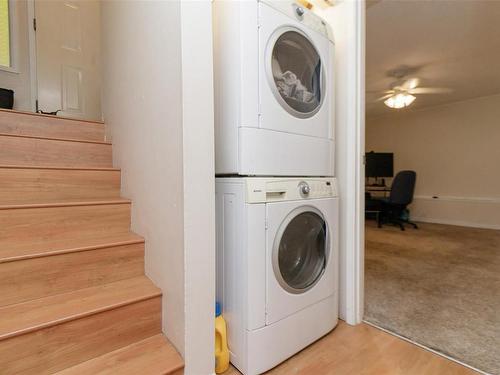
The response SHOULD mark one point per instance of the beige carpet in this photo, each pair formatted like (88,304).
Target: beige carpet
(438,286)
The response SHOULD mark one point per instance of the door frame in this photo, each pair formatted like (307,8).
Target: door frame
(32,54)
(347,19)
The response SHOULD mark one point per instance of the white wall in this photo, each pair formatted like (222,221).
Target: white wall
(199,185)
(455,151)
(347,21)
(158,108)
(18,79)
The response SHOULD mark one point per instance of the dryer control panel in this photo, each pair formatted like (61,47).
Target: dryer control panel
(262,190)
(303,15)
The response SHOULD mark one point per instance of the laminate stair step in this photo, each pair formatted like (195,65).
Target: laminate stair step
(46,185)
(25,227)
(26,123)
(55,348)
(68,203)
(49,138)
(23,150)
(152,356)
(46,312)
(60,167)
(34,278)
(27,250)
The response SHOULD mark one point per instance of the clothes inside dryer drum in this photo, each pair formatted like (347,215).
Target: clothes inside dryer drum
(296,68)
(302,251)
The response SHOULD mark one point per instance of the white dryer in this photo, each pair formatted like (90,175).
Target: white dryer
(274,90)
(277,266)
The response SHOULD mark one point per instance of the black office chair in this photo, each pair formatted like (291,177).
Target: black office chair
(393,208)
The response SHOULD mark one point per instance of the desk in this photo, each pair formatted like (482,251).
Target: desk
(378,189)
(374,206)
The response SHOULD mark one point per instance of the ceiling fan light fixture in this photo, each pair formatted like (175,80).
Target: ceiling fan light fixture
(399,101)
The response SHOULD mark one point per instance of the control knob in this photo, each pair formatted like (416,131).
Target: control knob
(300,11)
(304,188)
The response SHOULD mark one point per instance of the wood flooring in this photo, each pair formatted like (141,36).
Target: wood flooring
(364,350)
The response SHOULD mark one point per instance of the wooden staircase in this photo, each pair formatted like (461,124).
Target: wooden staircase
(73,295)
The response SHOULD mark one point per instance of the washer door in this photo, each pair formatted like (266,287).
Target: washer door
(301,253)
(296,77)
(300,250)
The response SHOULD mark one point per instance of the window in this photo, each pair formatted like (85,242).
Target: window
(4,34)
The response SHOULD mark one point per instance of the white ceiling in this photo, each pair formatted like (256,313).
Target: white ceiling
(453,44)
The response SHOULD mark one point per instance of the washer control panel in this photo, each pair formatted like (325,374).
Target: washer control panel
(262,190)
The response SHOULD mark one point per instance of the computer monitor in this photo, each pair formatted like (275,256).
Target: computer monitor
(379,164)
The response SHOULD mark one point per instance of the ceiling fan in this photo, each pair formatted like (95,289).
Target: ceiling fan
(402,92)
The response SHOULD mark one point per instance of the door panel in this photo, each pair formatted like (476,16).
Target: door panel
(68,58)
(72,95)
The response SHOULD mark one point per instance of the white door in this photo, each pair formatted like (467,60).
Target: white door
(68,57)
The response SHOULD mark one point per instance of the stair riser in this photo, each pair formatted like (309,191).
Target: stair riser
(43,126)
(47,153)
(24,186)
(28,279)
(34,225)
(55,348)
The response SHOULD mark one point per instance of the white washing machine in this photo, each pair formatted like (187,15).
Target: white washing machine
(274,90)
(277,265)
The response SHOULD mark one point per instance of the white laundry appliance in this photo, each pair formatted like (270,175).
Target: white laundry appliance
(274,90)
(277,265)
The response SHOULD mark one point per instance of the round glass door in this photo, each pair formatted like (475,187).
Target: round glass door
(296,73)
(300,250)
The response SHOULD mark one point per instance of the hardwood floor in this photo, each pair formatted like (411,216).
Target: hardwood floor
(365,350)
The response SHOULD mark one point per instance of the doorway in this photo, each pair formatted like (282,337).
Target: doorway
(432,244)
(68,66)
(55,57)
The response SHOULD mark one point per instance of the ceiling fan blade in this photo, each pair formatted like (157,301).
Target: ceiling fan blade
(378,92)
(430,90)
(383,97)
(410,84)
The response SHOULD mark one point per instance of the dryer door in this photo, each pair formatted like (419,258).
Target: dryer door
(295,74)
(301,255)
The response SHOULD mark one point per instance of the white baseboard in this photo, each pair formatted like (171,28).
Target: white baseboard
(454,198)
(455,222)
(474,212)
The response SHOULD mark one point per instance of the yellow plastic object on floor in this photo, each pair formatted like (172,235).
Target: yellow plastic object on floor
(221,350)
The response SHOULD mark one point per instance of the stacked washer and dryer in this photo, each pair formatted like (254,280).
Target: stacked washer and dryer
(276,197)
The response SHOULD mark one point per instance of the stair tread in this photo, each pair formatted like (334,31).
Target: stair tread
(25,250)
(152,356)
(49,311)
(64,139)
(66,203)
(50,117)
(62,167)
